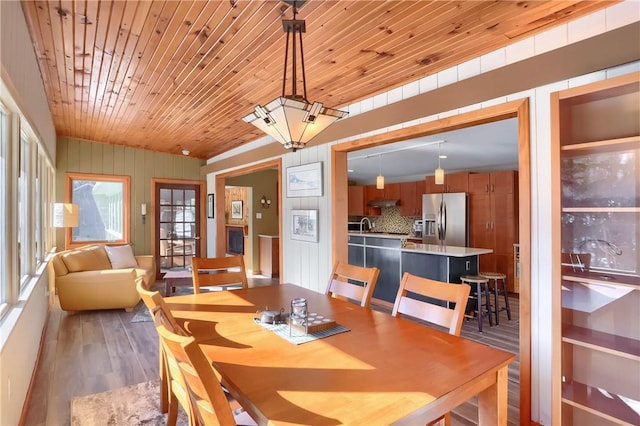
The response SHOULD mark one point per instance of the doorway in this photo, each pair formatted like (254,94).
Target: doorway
(178,209)
(262,211)
(515,109)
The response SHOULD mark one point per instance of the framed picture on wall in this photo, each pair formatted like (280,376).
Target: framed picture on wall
(304,180)
(236,209)
(304,225)
(210,208)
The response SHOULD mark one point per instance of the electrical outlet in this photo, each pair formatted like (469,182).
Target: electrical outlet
(258,215)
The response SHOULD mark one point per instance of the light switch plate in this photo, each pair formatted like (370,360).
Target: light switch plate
(258,215)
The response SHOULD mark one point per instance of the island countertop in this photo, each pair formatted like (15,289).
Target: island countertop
(434,249)
(445,250)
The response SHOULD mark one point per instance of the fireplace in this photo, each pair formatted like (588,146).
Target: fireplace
(235,240)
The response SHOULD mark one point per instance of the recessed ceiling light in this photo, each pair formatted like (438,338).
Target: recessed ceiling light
(185,152)
(350,170)
(442,156)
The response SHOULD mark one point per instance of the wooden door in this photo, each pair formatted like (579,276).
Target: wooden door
(178,225)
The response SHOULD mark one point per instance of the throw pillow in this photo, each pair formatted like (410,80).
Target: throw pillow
(121,257)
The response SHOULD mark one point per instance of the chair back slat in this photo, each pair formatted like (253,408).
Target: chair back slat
(435,314)
(218,271)
(345,290)
(339,285)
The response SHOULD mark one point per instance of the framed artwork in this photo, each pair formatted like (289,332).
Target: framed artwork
(210,208)
(304,225)
(236,209)
(305,180)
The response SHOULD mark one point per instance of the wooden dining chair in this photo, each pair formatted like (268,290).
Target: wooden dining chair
(341,283)
(208,400)
(218,271)
(432,313)
(176,381)
(155,302)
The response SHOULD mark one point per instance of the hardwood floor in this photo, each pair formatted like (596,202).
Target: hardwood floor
(96,351)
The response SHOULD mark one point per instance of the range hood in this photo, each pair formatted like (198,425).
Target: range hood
(383,203)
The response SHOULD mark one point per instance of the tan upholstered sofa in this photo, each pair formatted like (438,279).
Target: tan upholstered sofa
(100,277)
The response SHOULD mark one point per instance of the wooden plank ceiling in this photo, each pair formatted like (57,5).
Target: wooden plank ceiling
(174,75)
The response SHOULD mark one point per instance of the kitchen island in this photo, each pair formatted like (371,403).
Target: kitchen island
(394,256)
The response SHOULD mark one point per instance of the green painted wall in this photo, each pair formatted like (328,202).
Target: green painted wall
(81,156)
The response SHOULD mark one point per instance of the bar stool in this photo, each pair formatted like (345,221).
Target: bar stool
(482,289)
(497,290)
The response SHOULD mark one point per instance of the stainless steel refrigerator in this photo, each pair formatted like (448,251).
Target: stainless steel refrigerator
(445,219)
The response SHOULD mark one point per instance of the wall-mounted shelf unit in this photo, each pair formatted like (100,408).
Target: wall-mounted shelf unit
(596,148)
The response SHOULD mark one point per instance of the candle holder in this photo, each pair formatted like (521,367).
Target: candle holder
(299,317)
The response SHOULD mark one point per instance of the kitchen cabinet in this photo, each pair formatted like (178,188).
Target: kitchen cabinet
(493,220)
(356,200)
(430,186)
(370,194)
(411,198)
(453,182)
(456,182)
(391,191)
(595,237)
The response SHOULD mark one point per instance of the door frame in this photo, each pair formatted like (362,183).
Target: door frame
(514,109)
(219,189)
(202,212)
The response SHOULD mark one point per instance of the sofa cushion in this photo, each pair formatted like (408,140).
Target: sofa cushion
(121,257)
(90,258)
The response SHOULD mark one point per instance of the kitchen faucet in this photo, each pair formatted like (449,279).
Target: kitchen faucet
(368,222)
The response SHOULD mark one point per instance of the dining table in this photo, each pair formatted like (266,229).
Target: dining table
(378,370)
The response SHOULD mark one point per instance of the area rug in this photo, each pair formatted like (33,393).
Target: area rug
(129,406)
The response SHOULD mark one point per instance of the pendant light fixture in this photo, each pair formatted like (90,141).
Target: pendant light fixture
(380,178)
(439,178)
(291,119)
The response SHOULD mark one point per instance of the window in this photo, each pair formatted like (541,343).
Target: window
(26,196)
(4,137)
(24,208)
(103,208)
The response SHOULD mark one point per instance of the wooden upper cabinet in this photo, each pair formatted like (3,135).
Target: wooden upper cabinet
(411,198)
(501,182)
(420,191)
(479,183)
(430,186)
(356,200)
(456,182)
(391,191)
(370,194)
(504,182)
